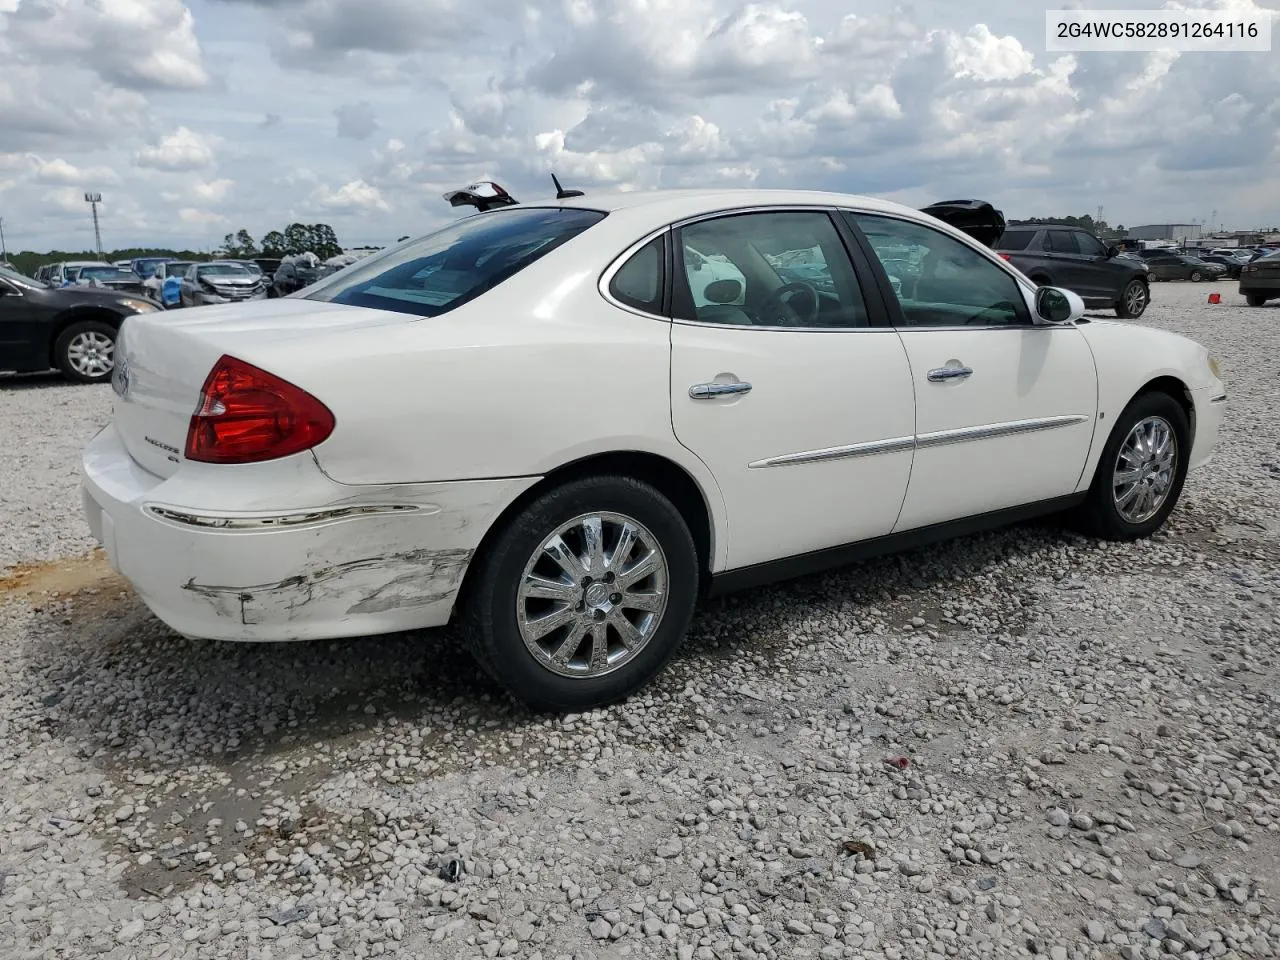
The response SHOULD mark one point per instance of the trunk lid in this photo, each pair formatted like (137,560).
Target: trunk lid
(163,358)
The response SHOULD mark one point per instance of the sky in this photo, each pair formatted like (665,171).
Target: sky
(194,119)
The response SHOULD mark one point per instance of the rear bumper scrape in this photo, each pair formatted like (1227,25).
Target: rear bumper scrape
(378,584)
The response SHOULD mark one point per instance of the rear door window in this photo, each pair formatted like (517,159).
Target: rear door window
(1061,241)
(445,269)
(1015,239)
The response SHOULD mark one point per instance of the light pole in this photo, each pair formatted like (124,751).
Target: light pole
(4,253)
(93,199)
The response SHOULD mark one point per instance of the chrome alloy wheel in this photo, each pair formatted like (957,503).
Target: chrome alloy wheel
(1144,470)
(592,595)
(91,354)
(1135,299)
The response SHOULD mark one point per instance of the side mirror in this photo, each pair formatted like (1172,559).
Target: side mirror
(1055,305)
(1113,252)
(723,291)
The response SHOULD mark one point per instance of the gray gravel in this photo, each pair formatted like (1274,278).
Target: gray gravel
(1019,744)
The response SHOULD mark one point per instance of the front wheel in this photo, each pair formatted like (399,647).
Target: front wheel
(1141,471)
(85,352)
(585,594)
(1133,300)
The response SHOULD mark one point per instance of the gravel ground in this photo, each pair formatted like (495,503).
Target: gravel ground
(1016,744)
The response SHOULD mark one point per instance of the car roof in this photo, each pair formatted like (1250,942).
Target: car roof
(678,203)
(1045,226)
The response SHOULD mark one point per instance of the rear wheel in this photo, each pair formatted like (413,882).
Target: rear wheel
(1133,300)
(1141,472)
(585,595)
(1255,299)
(1196,276)
(85,352)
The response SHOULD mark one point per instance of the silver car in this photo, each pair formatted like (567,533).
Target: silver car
(221,281)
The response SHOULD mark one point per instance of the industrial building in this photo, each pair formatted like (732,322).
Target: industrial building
(1177,232)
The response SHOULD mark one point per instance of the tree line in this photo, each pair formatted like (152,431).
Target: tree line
(317,238)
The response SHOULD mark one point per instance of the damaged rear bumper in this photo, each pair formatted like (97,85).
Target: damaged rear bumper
(322,560)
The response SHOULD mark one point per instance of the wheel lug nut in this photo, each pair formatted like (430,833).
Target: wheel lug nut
(615,597)
(599,614)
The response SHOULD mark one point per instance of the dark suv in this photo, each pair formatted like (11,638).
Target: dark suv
(1060,255)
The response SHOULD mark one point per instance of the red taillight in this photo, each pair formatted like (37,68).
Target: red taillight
(247,415)
(1005,256)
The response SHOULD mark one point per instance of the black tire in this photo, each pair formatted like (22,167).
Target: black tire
(63,359)
(1098,514)
(1255,299)
(1196,276)
(489,621)
(1122,305)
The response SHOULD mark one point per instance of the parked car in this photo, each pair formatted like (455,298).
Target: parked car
(1260,280)
(220,281)
(64,274)
(164,286)
(296,272)
(145,267)
(120,279)
(572,510)
(268,266)
(1181,266)
(1231,264)
(1077,260)
(72,329)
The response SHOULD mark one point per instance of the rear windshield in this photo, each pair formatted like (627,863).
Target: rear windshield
(1015,239)
(445,269)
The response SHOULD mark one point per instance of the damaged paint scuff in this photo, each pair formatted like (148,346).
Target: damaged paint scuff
(370,585)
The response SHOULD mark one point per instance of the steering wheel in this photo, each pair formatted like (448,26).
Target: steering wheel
(778,311)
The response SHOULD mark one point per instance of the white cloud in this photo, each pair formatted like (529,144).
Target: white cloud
(143,44)
(213,190)
(202,218)
(354,197)
(183,149)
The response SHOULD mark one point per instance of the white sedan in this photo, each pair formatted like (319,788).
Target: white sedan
(525,423)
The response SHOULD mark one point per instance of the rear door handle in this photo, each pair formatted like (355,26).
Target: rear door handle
(709,391)
(942,374)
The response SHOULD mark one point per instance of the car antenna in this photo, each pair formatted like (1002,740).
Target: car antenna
(562,193)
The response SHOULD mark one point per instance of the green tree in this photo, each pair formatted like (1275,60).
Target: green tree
(274,245)
(297,238)
(247,247)
(324,242)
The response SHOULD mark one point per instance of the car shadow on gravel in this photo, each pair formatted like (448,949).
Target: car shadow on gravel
(111,679)
(15,382)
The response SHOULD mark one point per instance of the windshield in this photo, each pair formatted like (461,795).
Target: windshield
(228,270)
(107,273)
(445,269)
(13,276)
(177,269)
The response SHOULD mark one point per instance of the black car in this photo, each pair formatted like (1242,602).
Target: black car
(268,266)
(1232,264)
(1169,265)
(72,329)
(1260,280)
(119,279)
(1061,255)
(294,273)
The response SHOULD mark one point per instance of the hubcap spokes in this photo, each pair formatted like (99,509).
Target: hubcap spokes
(592,595)
(91,354)
(1144,470)
(1137,298)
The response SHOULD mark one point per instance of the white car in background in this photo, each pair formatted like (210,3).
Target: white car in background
(529,423)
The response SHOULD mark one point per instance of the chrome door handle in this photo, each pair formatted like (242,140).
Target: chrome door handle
(942,374)
(709,391)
